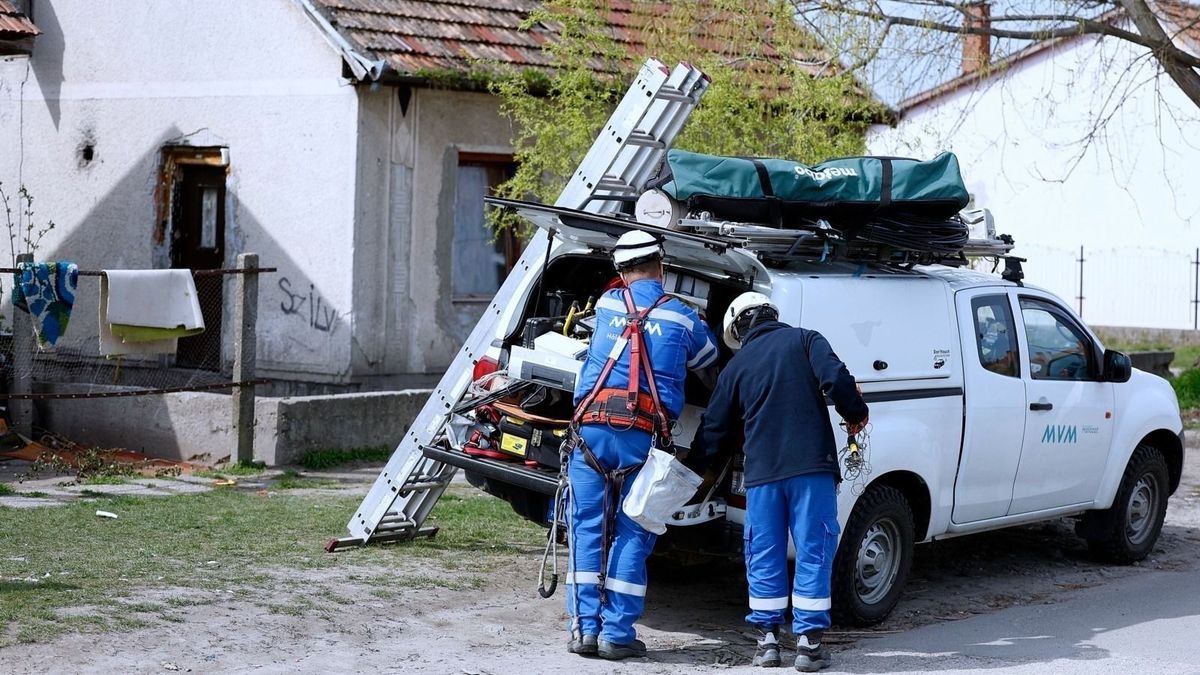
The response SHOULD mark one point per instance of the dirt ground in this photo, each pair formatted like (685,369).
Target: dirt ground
(693,619)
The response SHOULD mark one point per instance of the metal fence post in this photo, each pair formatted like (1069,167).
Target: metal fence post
(1196,293)
(245,316)
(21,410)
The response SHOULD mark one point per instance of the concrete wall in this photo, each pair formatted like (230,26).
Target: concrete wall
(257,77)
(1126,193)
(199,425)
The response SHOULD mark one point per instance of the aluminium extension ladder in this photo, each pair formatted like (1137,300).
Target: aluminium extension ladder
(615,169)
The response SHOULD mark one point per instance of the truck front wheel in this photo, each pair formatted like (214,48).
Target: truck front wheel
(1127,531)
(873,558)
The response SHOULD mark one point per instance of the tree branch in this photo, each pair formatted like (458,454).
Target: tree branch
(1156,41)
(1184,75)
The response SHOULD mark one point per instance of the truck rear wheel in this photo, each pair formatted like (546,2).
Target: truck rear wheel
(1127,531)
(873,558)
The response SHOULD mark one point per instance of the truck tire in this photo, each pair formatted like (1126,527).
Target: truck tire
(1127,531)
(873,557)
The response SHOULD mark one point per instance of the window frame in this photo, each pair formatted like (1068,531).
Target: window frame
(1014,343)
(499,167)
(1057,311)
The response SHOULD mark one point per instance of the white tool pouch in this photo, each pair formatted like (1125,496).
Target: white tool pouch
(661,487)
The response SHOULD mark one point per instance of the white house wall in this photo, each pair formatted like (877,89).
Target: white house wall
(1127,195)
(257,77)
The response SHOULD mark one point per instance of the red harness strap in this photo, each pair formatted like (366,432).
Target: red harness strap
(635,412)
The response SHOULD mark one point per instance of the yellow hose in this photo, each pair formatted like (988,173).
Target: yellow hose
(570,316)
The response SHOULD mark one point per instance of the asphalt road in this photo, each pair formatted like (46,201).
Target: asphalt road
(1149,623)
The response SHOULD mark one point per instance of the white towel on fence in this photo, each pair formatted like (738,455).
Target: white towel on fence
(151,298)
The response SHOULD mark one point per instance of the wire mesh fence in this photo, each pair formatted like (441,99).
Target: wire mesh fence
(1122,286)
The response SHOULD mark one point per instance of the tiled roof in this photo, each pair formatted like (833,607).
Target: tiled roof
(415,36)
(13,24)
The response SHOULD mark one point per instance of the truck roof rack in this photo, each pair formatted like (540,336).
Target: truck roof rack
(818,244)
(823,243)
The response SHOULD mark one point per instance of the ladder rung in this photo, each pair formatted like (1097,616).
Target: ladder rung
(674,95)
(614,185)
(645,140)
(415,487)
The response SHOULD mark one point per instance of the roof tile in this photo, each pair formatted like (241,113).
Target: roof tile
(425,35)
(13,24)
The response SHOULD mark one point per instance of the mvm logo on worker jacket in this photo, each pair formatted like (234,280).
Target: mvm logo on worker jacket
(649,327)
(1060,433)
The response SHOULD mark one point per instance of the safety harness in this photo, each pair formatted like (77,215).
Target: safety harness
(621,409)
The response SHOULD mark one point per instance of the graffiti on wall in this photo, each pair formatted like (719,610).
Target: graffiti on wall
(309,306)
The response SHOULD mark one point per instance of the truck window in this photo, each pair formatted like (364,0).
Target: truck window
(995,335)
(1058,349)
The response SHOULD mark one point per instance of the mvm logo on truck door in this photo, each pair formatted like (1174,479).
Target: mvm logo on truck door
(1060,433)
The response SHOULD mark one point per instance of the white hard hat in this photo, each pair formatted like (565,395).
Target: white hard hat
(636,247)
(742,303)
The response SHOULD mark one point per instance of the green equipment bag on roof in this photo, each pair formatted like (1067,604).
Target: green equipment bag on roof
(850,190)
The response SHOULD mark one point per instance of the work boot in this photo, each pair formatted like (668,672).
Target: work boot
(615,652)
(767,653)
(810,655)
(584,645)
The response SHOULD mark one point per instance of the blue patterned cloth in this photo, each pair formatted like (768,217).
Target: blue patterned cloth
(47,291)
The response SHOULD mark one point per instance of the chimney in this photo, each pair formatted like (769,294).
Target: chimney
(976,49)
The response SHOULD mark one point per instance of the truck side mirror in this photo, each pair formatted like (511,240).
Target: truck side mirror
(1117,367)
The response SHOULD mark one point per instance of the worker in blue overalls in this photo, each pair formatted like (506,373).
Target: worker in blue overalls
(629,390)
(775,389)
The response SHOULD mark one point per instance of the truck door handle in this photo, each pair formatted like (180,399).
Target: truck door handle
(1041,406)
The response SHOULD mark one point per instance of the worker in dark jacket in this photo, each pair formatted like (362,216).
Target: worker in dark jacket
(776,386)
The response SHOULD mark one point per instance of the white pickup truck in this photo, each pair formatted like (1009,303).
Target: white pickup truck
(992,404)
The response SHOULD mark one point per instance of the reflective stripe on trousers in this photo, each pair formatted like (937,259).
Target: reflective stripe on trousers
(625,583)
(806,508)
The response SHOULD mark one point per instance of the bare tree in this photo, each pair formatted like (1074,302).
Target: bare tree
(1158,26)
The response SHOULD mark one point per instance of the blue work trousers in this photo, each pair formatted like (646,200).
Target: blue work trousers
(805,507)
(625,582)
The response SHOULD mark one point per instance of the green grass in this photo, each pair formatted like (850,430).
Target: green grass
(239,469)
(291,480)
(1185,355)
(326,458)
(1187,388)
(6,490)
(165,544)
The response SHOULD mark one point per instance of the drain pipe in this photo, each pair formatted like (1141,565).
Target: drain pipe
(362,67)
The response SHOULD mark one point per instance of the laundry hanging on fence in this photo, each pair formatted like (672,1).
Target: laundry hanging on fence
(147,311)
(47,291)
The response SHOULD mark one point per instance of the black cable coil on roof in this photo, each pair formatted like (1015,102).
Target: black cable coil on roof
(940,236)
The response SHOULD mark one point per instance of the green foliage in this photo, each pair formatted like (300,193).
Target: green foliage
(325,458)
(770,94)
(24,234)
(6,490)
(1187,388)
